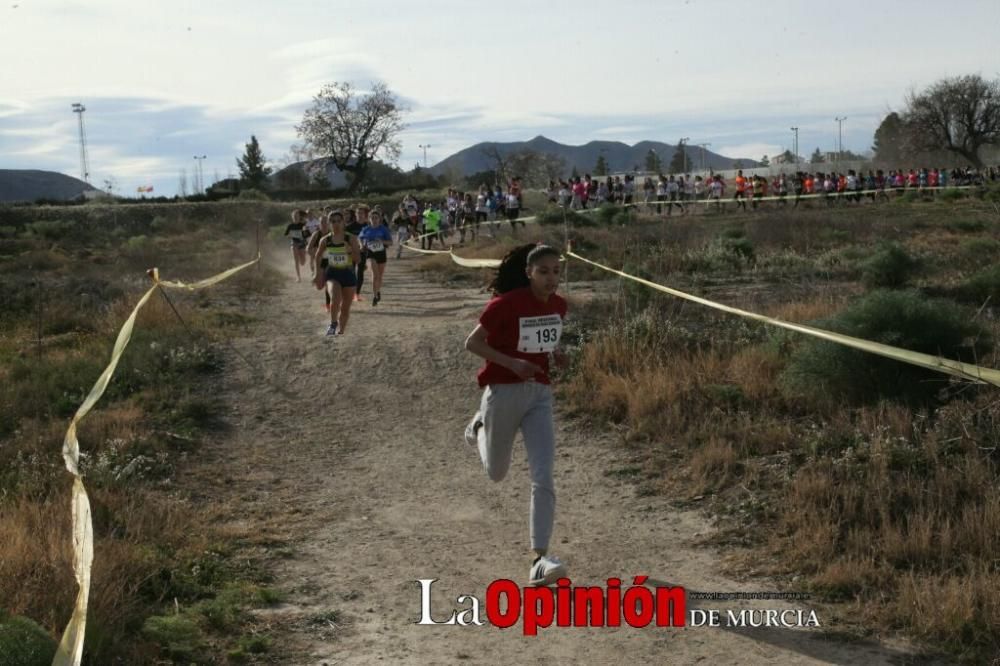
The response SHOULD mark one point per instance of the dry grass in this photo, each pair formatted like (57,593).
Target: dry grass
(55,339)
(893,511)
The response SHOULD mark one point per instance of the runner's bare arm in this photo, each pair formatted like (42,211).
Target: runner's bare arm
(320,248)
(476,343)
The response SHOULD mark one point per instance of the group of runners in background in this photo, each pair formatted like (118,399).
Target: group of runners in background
(338,245)
(665,193)
(461,212)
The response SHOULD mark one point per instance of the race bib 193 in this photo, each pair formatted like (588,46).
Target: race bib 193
(539,335)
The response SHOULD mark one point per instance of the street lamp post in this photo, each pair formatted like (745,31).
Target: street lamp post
(78,109)
(201,181)
(703,145)
(425,147)
(684,153)
(795,147)
(840,138)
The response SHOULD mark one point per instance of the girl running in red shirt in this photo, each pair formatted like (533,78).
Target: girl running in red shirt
(516,333)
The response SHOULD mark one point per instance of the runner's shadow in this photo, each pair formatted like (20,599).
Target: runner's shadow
(809,643)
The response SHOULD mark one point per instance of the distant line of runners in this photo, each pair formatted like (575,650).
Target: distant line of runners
(461,212)
(666,193)
(339,244)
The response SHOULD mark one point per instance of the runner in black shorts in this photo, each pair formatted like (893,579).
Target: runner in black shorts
(340,252)
(374,238)
(297,230)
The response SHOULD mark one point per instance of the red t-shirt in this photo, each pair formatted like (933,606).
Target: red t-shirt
(515,315)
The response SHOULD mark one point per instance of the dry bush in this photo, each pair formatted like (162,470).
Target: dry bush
(148,549)
(959,613)
(715,464)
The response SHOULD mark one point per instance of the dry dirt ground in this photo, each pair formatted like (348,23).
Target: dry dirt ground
(346,465)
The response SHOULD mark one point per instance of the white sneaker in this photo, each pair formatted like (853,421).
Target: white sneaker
(471,434)
(546,570)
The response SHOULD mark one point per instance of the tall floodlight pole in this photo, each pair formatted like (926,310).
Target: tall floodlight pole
(425,147)
(684,152)
(795,147)
(703,145)
(201,180)
(78,109)
(840,138)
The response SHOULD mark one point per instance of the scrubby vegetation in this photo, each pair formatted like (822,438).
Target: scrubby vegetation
(166,582)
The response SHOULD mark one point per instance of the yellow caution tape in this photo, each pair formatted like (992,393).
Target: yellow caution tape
(474,263)
(480,263)
(957,368)
(70,649)
(423,251)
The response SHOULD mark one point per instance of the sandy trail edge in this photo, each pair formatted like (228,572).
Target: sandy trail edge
(346,465)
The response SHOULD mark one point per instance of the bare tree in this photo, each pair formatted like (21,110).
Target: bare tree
(351,128)
(499,162)
(182,185)
(960,114)
(536,169)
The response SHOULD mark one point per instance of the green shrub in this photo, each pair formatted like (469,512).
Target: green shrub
(951,195)
(622,218)
(891,266)
(906,319)
(638,294)
(255,644)
(178,635)
(979,251)
(53,229)
(276,233)
(741,247)
(968,226)
(138,245)
(252,195)
(981,286)
(606,213)
(159,225)
(554,215)
(24,643)
(721,255)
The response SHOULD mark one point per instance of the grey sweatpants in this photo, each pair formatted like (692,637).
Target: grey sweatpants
(527,406)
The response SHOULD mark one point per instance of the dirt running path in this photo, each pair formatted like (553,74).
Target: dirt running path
(358,497)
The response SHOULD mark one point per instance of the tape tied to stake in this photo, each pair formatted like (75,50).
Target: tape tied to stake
(70,650)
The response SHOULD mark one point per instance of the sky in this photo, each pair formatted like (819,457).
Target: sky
(163,82)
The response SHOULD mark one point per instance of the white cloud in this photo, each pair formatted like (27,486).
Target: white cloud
(753,151)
